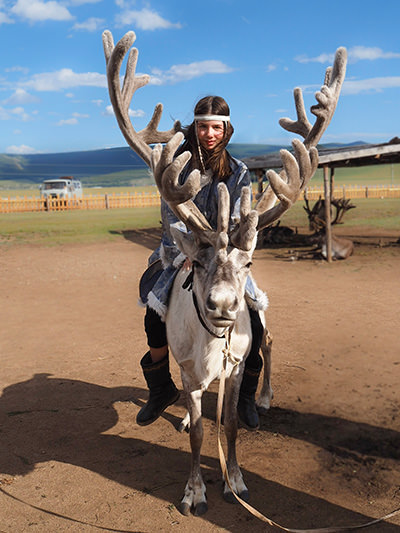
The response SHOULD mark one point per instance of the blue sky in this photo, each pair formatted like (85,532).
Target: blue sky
(53,95)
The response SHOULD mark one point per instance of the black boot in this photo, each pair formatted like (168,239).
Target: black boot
(162,389)
(246,408)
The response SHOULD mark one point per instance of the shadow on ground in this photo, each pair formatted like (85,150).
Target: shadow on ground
(52,419)
(147,237)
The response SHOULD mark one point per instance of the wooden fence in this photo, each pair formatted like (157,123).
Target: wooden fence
(91,201)
(135,199)
(356,191)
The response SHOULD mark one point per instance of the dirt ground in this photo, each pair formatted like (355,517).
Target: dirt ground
(73,459)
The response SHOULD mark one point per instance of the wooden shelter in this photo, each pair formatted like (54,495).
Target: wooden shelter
(329,159)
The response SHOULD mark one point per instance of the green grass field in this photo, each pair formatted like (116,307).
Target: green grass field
(53,228)
(371,175)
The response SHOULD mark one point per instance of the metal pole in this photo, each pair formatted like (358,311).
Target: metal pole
(328,228)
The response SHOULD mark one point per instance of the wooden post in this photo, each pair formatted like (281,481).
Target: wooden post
(332,191)
(328,227)
(260,177)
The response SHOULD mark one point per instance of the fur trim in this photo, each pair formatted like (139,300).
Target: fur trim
(179,260)
(260,303)
(156,305)
(164,261)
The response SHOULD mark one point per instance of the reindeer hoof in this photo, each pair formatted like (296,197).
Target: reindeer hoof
(184,424)
(244,495)
(229,497)
(200,509)
(184,508)
(182,427)
(263,411)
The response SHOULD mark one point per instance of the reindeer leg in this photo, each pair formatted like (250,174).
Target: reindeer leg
(230,426)
(264,400)
(195,490)
(185,423)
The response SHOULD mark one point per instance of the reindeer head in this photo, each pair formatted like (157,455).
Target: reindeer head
(220,267)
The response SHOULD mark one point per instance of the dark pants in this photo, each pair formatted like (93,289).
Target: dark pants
(157,336)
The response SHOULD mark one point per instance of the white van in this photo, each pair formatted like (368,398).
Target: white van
(64,188)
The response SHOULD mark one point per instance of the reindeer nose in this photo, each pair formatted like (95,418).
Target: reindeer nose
(211,305)
(223,302)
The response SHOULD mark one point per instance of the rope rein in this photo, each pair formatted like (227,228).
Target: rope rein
(221,391)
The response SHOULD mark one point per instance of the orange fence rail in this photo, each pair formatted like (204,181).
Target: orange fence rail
(356,191)
(143,199)
(98,201)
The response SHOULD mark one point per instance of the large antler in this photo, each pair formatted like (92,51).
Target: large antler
(299,169)
(161,160)
(121,98)
(327,99)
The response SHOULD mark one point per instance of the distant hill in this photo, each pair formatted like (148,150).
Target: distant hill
(113,166)
(35,168)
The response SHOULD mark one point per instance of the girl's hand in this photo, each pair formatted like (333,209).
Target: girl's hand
(187,265)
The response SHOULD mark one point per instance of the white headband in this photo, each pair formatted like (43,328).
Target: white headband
(223,118)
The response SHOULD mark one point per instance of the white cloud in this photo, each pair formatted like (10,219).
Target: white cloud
(322,58)
(359,53)
(5,19)
(68,122)
(20,113)
(370,85)
(22,149)
(73,120)
(146,19)
(98,102)
(81,2)
(92,24)
(19,97)
(36,10)
(178,73)
(17,112)
(357,136)
(80,115)
(65,79)
(132,113)
(354,54)
(271,67)
(17,68)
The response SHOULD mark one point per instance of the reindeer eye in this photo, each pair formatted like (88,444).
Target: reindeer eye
(249,264)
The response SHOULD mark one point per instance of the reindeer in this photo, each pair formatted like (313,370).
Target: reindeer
(341,248)
(209,327)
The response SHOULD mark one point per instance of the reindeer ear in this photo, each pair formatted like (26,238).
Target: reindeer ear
(185,241)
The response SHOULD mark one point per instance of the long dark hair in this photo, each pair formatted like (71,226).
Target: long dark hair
(217,160)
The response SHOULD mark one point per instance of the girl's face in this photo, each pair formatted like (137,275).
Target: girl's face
(210,133)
